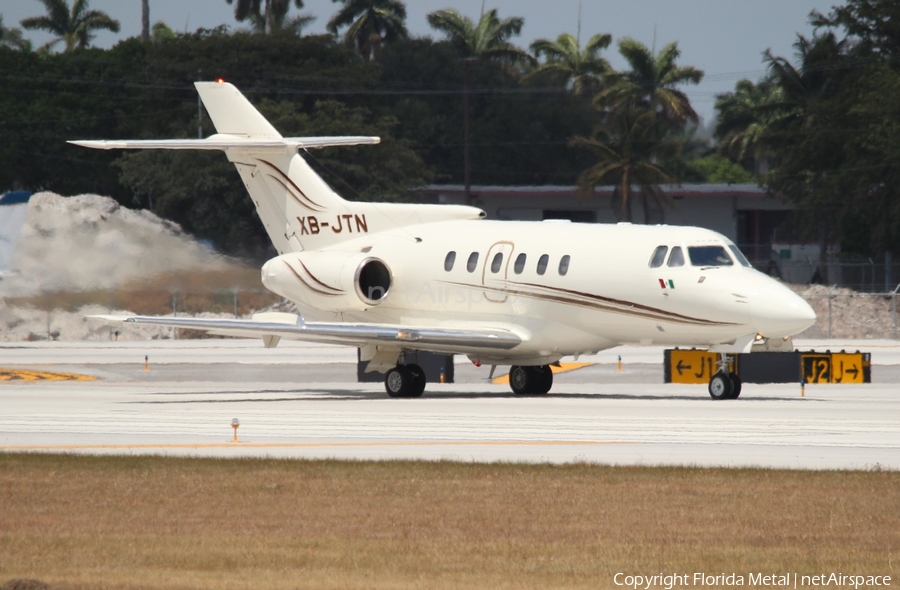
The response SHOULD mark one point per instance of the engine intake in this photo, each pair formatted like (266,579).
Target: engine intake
(373,281)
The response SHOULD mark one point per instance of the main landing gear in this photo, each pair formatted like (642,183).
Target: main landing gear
(405,381)
(530,380)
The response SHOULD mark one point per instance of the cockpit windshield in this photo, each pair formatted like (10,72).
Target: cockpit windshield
(709,256)
(739,255)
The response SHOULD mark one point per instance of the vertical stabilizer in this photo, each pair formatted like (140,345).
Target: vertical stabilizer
(232,113)
(13,207)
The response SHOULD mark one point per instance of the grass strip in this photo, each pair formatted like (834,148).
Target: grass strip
(152,522)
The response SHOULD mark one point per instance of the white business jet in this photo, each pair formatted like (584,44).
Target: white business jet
(396,278)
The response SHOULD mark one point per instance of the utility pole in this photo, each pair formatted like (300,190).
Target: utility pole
(467,125)
(199,108)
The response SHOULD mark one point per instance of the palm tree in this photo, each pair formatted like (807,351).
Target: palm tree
(12,37)
(628,149)
(371,23)
(488,39)
(145,20)
(75,26)
(295,24)
(568,64)
(161,32)
(652,82)
(745,120)
(267,10)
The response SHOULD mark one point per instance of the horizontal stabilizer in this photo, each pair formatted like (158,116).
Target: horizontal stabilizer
(226,142)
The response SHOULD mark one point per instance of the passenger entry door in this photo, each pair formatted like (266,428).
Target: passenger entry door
(494,271)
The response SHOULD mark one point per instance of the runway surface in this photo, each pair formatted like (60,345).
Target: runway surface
(301,400)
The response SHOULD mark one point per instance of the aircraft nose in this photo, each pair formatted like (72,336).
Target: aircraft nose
(781,312)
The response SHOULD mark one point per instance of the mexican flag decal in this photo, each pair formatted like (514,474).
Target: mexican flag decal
(666,285)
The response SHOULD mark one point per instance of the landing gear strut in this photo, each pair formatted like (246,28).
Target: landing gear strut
(405,381)
(530,380)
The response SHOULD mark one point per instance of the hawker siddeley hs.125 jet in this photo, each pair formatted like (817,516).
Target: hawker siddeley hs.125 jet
(392,279)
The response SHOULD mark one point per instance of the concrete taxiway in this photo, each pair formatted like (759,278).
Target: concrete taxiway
(301,400)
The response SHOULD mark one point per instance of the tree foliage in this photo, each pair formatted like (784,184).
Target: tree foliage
(568,64)
(828,120)
(266,15)
(488,39)
(411,96)
(74,26)
(370,24)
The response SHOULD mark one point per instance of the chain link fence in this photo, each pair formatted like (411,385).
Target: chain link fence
(847,314)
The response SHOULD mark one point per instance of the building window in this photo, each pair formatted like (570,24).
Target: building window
(519,266)
(449,260)
(564,265)
(542,264)
(472,264)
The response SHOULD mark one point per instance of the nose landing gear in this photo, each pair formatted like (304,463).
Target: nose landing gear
(724,386)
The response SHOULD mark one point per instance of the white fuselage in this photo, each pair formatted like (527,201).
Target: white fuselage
(609,294)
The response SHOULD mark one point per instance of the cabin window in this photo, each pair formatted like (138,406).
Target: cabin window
(449,260)
(472,264)
(739,255)
(542,264)
(519,266)
(564,264)
(676,258)
(709,256)
(659,256)
(497,262)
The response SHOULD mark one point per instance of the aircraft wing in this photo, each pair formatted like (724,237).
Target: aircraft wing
(271,327)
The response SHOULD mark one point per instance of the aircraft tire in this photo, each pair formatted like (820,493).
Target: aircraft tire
(720,386)
(399,381)
(419,380)
(530,380)
(544,379)
(736,382)
(521,379)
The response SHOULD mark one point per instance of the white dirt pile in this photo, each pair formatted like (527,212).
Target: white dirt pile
(91,242)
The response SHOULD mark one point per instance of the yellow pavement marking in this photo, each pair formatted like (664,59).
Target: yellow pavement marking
(24,375)
(244,445)
(562,368)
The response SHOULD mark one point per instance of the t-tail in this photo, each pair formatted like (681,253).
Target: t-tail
(298,209)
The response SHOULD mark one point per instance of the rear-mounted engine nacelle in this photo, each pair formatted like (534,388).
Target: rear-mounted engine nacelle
(330,281)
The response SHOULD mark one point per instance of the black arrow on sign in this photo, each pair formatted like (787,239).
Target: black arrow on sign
(681,368)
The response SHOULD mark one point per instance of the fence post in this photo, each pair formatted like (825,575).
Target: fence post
(830,296)
(894,308)
(174,313)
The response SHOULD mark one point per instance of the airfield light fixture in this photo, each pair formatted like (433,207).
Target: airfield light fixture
(234,424)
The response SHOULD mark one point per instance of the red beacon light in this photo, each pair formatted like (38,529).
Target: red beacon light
(221,80)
